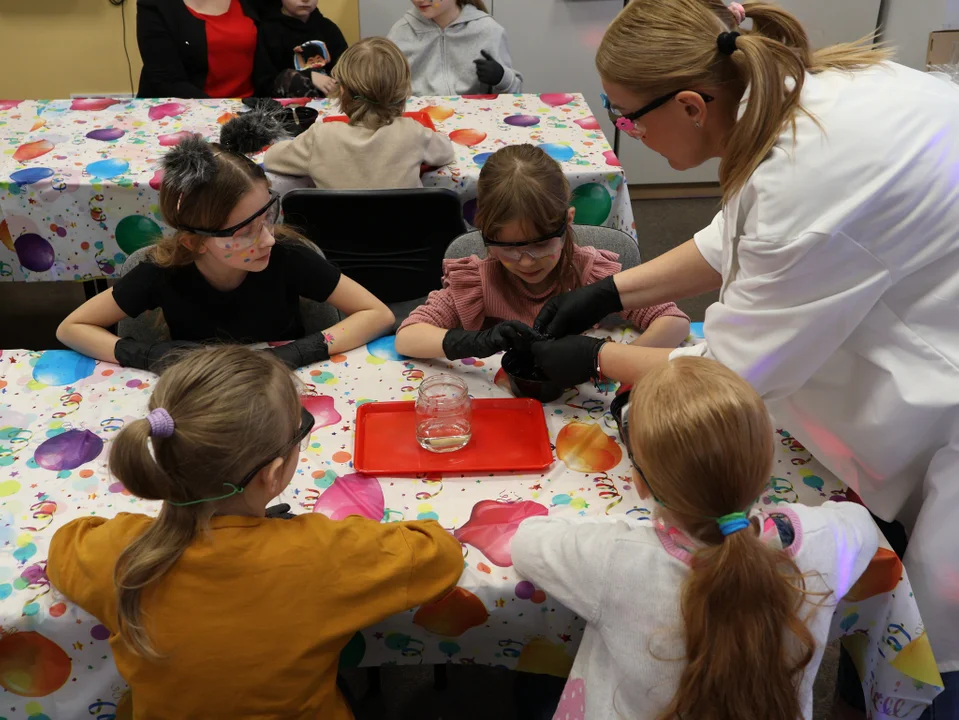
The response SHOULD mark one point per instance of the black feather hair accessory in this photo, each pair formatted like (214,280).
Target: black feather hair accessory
(189,165)
(252,131)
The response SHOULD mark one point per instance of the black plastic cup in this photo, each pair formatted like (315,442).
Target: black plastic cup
(526,380)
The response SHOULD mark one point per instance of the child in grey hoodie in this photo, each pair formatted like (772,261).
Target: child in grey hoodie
(455,48)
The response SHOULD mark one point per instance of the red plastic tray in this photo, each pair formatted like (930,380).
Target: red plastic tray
(509,434)
(421,116)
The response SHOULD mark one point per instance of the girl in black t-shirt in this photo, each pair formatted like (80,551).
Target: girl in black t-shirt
(229,273)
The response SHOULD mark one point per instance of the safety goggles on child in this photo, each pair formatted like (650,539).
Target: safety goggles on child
(538,248)
(301,438)
(627,122)
(244,234)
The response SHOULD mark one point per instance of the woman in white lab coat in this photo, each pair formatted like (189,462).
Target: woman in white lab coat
(836,254)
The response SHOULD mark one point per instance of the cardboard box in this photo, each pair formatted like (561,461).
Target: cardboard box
(943,48)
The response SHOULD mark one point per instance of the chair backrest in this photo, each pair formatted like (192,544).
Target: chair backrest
(603,238)
(150,327)
(390,241)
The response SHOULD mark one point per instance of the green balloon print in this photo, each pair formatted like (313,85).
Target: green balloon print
(135,232)
(592,204)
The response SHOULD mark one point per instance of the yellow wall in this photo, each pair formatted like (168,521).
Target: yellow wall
(57,47)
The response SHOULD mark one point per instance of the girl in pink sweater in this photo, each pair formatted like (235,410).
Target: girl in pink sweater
(487,306)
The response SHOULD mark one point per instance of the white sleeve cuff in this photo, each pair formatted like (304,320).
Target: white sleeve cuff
(700,349)
(709,242)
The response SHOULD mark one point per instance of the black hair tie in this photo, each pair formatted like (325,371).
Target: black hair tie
(726,42)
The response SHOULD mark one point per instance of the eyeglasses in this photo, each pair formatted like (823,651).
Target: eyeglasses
(620,412)
(536,248)
(244,234)
(301,438)
(627,122)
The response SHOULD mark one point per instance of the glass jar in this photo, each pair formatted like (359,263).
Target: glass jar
(444,414)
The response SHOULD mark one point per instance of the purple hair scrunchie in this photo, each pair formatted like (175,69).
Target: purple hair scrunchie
(161,423)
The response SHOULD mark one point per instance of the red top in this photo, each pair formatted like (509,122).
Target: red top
(230,47)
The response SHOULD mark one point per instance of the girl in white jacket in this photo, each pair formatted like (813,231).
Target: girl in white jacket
(455,48)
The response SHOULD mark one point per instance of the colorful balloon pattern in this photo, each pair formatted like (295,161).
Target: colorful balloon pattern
(882,575)
(467,137)
(108,169)
(592,202)
(584,447)
(68,450)
(354,494)
(106,134)
(453,614)
(28,176)
(492,525)
(32,150)
(135,232)
(322,409)
(522,120)
(93,103)
(166,110)
(62,367)
(31,665)
(34,252)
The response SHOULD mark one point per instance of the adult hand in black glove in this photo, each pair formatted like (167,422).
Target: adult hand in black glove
(488,70)
(570,360)
(305,351)
(578,310)
(458,344)
(155,357)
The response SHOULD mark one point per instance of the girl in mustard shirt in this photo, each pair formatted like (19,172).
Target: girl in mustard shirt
(215,609)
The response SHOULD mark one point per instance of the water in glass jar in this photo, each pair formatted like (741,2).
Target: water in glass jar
(443,414)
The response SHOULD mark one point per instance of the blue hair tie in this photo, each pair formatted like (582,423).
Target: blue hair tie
(732,523)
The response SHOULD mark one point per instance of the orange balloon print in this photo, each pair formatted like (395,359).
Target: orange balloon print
(31,665)
(453,614)
(439,113)
(5,236)
(467,137)
(881,576)
(32,150)
(584,447)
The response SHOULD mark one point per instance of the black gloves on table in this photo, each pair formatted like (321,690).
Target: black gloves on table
(570,360)
(459,344)
(154,357)
(304,351)
(488,70)
(578,310)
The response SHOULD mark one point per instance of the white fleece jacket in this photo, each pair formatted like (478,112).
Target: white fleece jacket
(442,59)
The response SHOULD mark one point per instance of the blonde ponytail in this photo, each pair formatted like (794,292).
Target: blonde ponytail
(374,82)
(231,408)
(655,47)
(704,441)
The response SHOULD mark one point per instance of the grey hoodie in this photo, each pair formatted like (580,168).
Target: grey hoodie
(442,59)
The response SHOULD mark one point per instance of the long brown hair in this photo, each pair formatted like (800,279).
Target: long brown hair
(523,183)
(655,47)
(232,407)
(374,82)
(478,4)
(703,438)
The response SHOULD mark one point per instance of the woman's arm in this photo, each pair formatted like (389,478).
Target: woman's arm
(421,340)
(85,329)
(160,52)
(680,273)
(368,318)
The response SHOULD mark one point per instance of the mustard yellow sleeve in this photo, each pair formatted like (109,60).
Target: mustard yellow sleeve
(81,559)
(382,569)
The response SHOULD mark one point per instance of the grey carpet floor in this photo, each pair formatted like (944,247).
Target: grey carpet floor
(30,313)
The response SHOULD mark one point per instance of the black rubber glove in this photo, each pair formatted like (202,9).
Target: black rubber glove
(488,70)
(570,360)
(459,344)
(155,357)
(578,310)
(305,351)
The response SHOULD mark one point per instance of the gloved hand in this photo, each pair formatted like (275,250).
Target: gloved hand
(155,357)
(570,360)
(458,344)
(578,310)
(305,351)
(488,70)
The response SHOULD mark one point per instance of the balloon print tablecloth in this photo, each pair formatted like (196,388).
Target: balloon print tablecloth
(79,179)
(59,412)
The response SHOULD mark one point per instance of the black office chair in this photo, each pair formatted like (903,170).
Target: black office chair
(390,241)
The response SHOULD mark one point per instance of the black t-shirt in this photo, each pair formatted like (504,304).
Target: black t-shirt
(264,307)
(282,33)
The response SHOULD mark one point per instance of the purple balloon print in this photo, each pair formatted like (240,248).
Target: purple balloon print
(522,120)
(525,589)
(106,134)
(28,176)
(34,252)
(68,450)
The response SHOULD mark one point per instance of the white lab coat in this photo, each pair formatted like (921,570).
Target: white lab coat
(840,304)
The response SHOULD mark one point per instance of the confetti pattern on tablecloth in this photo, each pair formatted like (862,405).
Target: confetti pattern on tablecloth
(80,179)
(60,411)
